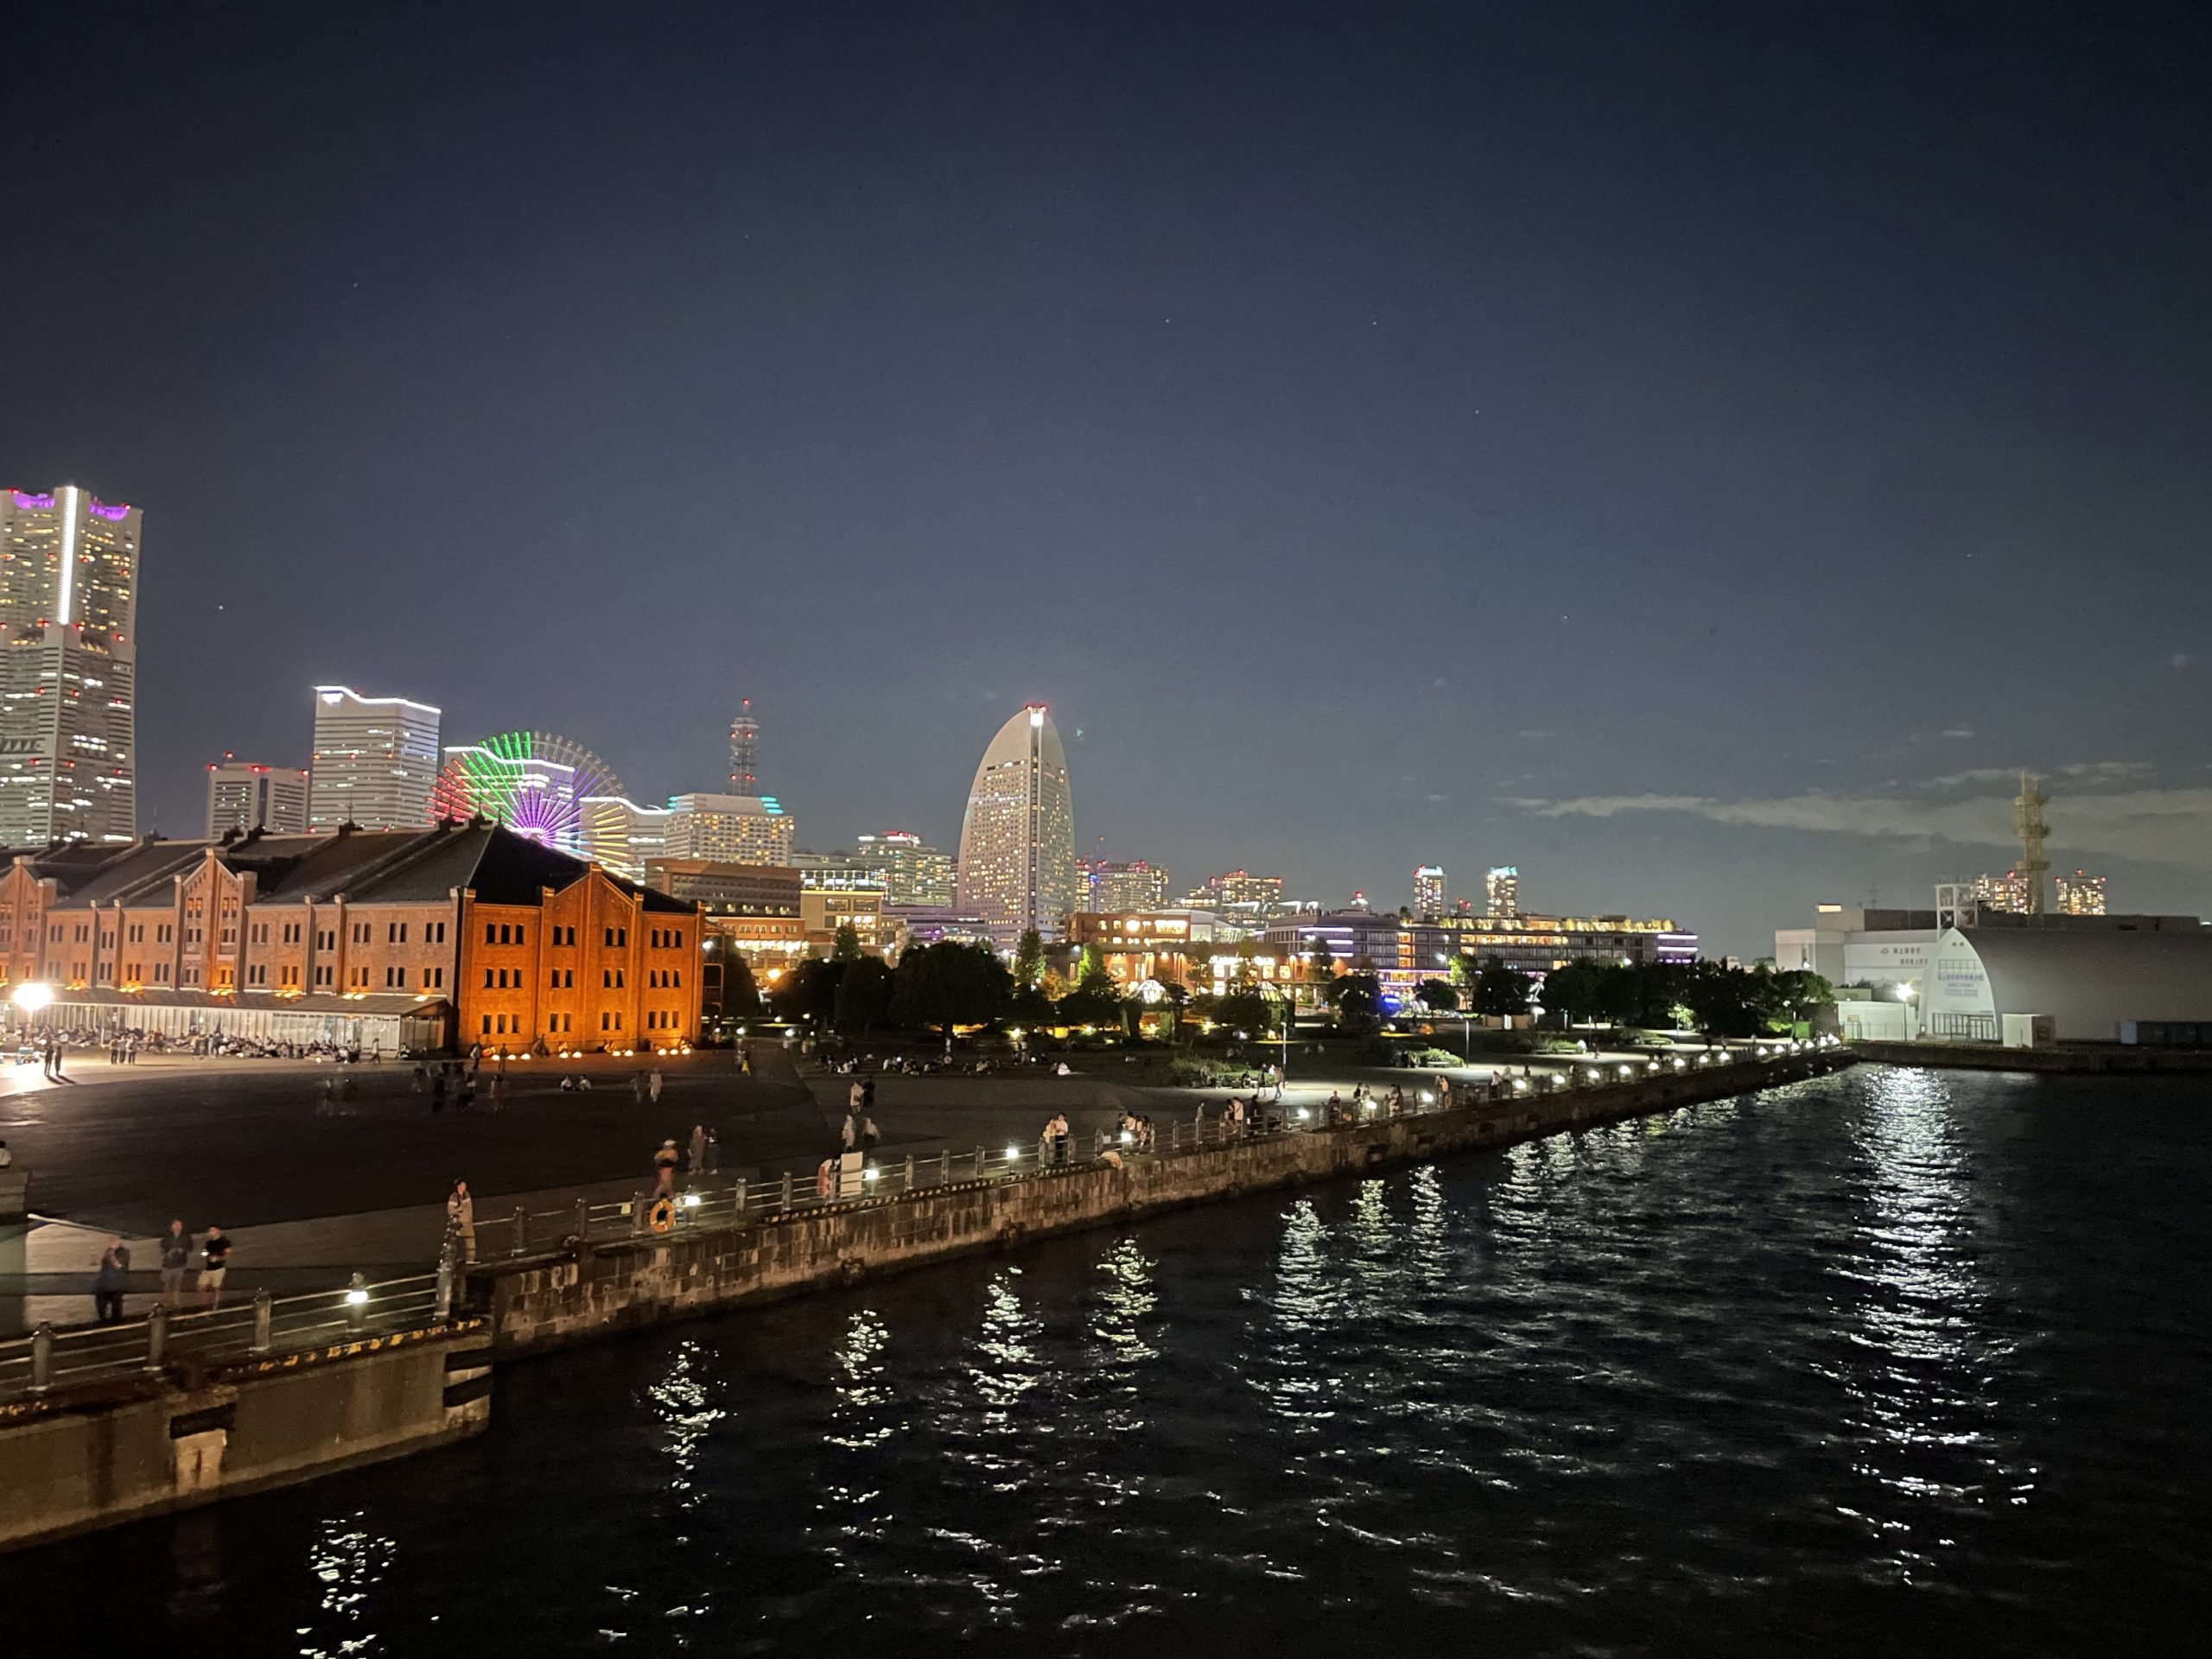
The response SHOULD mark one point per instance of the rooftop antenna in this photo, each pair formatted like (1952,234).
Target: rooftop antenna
(745,750)
(2033,865)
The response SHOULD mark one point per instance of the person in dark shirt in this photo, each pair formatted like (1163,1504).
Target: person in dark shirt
(111,1281)
(214,1263)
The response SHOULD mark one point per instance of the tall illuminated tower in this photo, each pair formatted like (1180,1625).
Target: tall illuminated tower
(745,751)
(375,761)
(1017,842)
(68,668)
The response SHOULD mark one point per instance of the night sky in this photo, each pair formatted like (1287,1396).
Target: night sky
(1684,451)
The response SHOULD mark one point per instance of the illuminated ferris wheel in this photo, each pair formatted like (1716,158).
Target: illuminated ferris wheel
(534,783)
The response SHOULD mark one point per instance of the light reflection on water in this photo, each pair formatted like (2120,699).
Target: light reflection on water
(1878,1361)
(347,1560)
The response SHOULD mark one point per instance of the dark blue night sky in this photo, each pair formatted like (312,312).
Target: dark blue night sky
(1686,451)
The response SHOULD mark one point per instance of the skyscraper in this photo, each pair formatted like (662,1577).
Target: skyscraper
(1017,840)
(2080,894)
(68,668)
(913,873)
(1502,888)
(1428,891)
(1108,885)
(244,796)
(375,761)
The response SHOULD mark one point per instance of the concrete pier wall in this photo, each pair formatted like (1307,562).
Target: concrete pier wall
(70,1464)
(532,1306)
(2115,1058)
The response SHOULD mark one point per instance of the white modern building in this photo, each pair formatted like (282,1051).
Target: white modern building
(1880,948)
(376,761)
(2082,985)
(68,668)
(914,873)
(729,829)
(1017,839)
(242,795)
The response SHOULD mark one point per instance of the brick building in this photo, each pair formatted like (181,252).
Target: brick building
(461,934)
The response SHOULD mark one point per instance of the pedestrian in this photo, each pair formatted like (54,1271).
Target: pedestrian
(869,1134)
(214,1263)
(868,1097)
(110,1283)
(460,1219)
(467,1100)
(1057,1131)
(698,1148)
(499,1091)
(714,1152)
(6,1156)
(638,1087)
(422,1078)
(744,1062)
(856,1097)
(850,1136)
(438,1092)
(664,1171)
(652,1085)
(177,1255)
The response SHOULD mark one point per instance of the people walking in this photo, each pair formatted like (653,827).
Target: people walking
(214,1264)
(664,1171)
(698,1148)
(111,1281)
(714,1152)
(460,1219)
(175,1257)
(652,1085)
(437,1091)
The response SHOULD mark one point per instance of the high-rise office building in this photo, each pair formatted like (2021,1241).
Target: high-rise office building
(376,760)
(1502,890)
(2009,891)
(68,668)
(729,829)
(1241,895)
(244,796)
(1111,885)
(913,873)
(1428,891)
(2080,894)
(1017,839)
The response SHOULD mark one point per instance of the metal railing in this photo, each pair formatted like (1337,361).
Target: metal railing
(50,1358)
(168,1339)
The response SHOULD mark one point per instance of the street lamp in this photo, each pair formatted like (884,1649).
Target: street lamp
(33,996)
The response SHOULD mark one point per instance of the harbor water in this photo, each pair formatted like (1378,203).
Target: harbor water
(1894,1361)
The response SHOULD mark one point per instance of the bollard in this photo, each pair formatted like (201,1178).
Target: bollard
(157,1337)
(786,1200)
(357,1303)
(1175,1135)
(979,1163)
(637,1210)
(910,1171)
(522,1230)
(583,1219)
(944,1168)
(42,1358)
(737,1198)
(264,1316)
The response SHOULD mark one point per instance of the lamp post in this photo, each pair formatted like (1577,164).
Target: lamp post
(32,997)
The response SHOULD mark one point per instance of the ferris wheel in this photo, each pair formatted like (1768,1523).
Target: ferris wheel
(534,783)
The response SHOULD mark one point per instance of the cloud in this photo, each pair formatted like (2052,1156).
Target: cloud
(1958,731)
(1536,737)
(2151,826)
(2181,659)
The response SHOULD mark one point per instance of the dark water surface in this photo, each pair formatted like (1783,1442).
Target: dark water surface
(1894,1361)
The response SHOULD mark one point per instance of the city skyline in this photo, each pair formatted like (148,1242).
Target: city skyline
(1096,377)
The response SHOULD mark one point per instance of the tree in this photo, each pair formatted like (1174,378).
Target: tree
(740,995)
(846,947)
(1320,960)
(1500,991)
(1028,959)
(808,990)
(1245,1011)
(1029,1006)
(950,984)
(1573,990)
(1092,974)
(1357,999)
(863,1000)
(1437,996)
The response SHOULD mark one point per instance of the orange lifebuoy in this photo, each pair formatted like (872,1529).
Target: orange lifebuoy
(661,1216)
